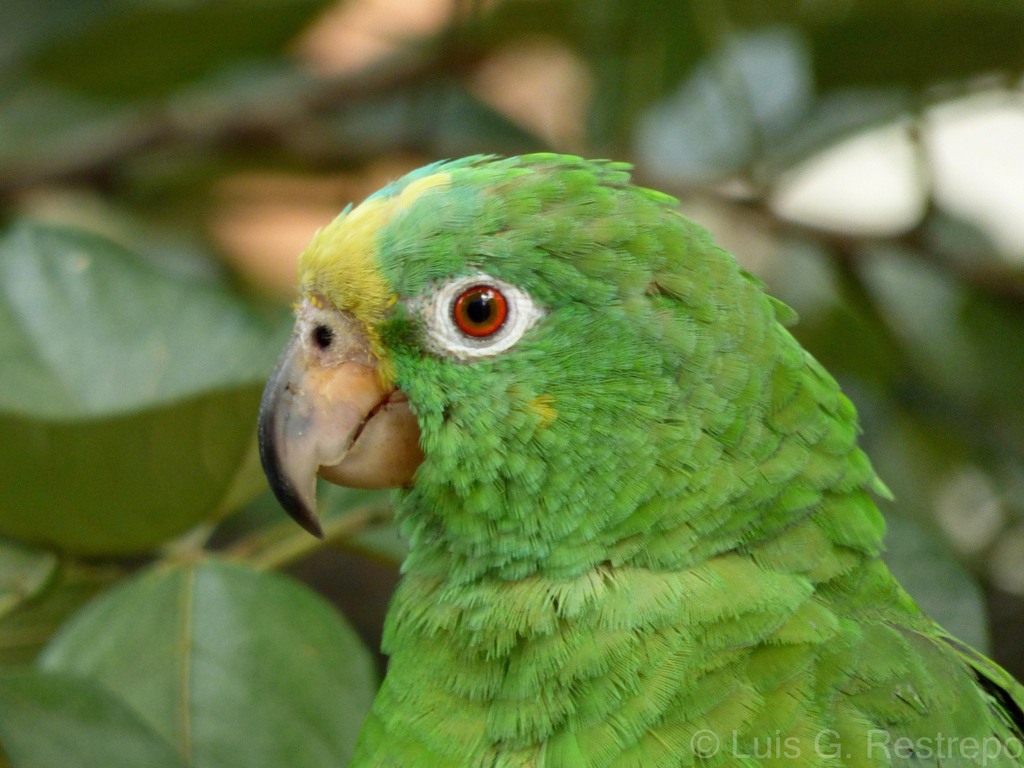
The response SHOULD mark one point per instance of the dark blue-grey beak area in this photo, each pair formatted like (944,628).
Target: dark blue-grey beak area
(277,408)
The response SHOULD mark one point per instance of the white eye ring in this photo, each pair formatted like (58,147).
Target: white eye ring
(445,337)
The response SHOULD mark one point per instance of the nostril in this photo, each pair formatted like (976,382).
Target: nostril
(323,336)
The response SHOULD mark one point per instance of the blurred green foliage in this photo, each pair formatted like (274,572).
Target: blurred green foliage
(132,355)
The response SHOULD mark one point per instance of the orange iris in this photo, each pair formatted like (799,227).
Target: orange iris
(480,310)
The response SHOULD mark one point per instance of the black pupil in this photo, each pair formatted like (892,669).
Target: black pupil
(323,336)
(480,307)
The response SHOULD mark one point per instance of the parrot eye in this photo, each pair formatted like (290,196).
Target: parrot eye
(477,316)
(480,311)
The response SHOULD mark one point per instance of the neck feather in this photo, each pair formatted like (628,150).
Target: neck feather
(541,664)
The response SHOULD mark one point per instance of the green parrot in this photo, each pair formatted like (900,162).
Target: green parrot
(641,530)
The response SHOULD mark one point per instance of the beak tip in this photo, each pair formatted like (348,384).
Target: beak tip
(310,523)
(296,506)
(291,501)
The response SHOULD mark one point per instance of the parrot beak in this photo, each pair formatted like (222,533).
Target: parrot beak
(325,411)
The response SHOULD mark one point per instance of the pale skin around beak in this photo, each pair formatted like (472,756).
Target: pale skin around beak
(326,411)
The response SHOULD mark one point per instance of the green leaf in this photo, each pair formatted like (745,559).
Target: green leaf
(24,572)
(441,117)
(50,720)
(146,49)
(89,329)
(26,625)
(126,483)
(915,43)
(28,25)
(43,130)
(753,90)
(137,389)
(231,665)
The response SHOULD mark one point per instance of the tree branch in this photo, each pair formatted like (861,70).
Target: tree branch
(286,543)
(294,114)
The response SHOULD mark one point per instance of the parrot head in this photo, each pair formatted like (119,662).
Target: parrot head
(549,361)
